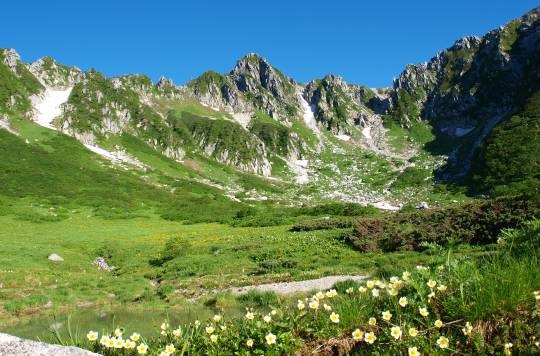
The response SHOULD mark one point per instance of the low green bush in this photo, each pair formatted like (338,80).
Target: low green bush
(325,224)
(479,222)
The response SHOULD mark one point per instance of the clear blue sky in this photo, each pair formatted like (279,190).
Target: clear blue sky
(367,42)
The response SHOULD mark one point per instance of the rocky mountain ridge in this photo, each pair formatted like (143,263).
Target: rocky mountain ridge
(255,117)
(467,89)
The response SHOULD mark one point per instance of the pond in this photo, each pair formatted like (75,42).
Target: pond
(78,322)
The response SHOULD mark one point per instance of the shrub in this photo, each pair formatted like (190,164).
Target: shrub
(324,224)
(479,222)
(255,298)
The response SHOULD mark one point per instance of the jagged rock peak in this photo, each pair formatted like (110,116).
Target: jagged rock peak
(250,58)
(164,83)
(466,42)
(333,80)
(54,74)
(11,57)
(253,69)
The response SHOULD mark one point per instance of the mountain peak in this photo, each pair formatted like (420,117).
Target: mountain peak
(11,57)
(251,63)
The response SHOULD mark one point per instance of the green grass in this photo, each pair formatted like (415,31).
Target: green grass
(213,256)
(476,315)
(54,170)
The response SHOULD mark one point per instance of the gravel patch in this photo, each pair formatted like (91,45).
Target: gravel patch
(298,286)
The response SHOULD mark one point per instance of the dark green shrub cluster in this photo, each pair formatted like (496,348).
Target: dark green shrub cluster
(474,223)
(276,137)
(339,209)
(325,224)
(508,161)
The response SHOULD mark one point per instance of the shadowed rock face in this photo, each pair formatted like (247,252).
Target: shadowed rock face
(14,346)
(463,92)
(469,88)
(252,85)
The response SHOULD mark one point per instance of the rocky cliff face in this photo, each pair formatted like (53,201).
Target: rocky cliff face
(463,93)
(467,89)
(17,83)
(55,75)
(252,85)
(343,108)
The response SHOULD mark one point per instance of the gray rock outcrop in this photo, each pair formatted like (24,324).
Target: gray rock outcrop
(15,346)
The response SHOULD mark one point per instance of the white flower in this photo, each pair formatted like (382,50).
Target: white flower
(334,317)
(443,342)
(331,293)
(403,301)
(357,335)
(142,349)
(92,335)
(467,330)
(270,339)
(396,332)
(370,337)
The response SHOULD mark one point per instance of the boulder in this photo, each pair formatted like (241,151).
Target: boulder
(14,346)
(55,258)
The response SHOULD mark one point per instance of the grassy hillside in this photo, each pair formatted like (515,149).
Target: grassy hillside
(507,161)
(56,172)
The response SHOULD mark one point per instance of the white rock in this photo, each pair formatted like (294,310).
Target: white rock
(56,258)
(14,346)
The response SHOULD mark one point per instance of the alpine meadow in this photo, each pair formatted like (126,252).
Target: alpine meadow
(248,213)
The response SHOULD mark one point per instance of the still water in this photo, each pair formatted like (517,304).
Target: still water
(80,321)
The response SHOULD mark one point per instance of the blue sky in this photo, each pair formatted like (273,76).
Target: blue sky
(367,42)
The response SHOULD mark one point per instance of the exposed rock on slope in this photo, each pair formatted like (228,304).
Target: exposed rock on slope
(469,88)
(345,108)
(252,85)
(55,75)
(14,346)
(255,116)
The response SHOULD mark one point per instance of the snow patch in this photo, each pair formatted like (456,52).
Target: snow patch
(309,114)
(462,131)
(48,106)
(344,137)
(116,157)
